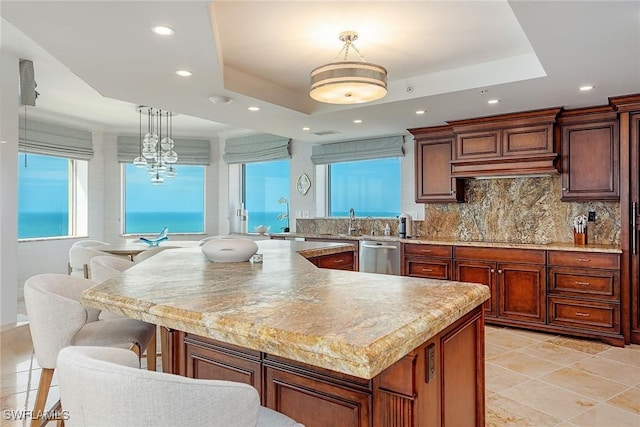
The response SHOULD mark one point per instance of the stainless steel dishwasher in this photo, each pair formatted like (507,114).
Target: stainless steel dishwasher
(379,257)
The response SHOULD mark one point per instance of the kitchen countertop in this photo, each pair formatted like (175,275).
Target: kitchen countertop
(558,246)
(355,323)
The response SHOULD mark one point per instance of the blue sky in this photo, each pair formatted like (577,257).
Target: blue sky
(184,193)
(44,183)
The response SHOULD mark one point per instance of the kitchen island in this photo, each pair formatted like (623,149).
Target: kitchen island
(326,347)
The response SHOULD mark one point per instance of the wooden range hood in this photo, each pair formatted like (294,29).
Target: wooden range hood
(508,145)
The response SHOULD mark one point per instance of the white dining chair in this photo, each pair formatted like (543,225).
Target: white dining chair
(57,319)
(102,387)
(88,243)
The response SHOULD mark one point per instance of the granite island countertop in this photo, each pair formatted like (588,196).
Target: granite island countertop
(555,246)
(355,323)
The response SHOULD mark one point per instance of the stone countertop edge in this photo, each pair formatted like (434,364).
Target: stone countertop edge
(352,352)
(554,246)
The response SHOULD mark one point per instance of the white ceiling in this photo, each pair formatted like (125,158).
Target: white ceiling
(96,61)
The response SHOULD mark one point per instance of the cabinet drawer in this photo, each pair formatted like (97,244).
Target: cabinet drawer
(428,250)
(342,261)
(593,315)
(431,269)
(583,259)
(603,284)
(529,256)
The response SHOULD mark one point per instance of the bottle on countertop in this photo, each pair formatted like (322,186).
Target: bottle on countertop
(387,230)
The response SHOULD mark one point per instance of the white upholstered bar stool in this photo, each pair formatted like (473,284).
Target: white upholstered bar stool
(57,320)
(102,387)
(105,267)
(80,260)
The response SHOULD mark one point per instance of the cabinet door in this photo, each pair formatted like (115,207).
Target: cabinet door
(479,272)
(527,140)
(433,173)
(591,161)
(208,361)
(316,403)
(476,145)
(521,292)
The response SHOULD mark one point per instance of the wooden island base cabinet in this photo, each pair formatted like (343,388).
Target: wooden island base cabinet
(439,383)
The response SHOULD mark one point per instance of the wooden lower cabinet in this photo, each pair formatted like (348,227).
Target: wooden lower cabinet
(440,383)
(518,288)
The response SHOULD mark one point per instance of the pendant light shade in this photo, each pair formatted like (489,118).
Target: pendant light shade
(348,82)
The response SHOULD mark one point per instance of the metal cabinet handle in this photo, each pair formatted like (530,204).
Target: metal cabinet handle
(581,314)
(583,259)
(427,270)
(634,212)
(493,270)
(426,251)
(583,283)
(338,261)
(499,271)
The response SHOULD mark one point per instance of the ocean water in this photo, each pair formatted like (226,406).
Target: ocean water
(154,222)
(270,219)
(42,224)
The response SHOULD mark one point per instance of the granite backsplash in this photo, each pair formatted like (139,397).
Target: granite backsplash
(513,210)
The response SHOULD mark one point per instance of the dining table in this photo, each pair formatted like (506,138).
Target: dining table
(131,249)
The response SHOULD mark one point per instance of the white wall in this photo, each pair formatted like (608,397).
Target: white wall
(301,163)
(8,190)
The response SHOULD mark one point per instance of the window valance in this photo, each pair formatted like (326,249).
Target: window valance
(190,151)
(365,149)
(256,148)
(54,140)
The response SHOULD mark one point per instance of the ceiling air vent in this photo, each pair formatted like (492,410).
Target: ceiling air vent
(326,132)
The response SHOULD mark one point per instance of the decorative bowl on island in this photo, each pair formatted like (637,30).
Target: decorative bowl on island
(261,229)
(229,250)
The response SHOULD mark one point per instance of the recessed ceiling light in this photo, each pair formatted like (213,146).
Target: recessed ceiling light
(585,88)
(254,108)
(184,73)
(306,128)
(3,142)
(420,112)
(163,31)
(357,121)
(220,99)
(493,101)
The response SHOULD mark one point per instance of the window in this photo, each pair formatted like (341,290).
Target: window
(178,203)
(44,195)
(266,194)
(370,187)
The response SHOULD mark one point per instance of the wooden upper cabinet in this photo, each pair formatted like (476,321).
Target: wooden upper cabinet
(433,153)
(506,145)
(590,154)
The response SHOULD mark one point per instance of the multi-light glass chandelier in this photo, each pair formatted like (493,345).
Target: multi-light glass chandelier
(156,151)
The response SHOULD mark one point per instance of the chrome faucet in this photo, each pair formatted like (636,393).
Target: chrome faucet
(352,221)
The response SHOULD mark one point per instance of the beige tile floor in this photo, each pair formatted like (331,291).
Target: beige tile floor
(532,379)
